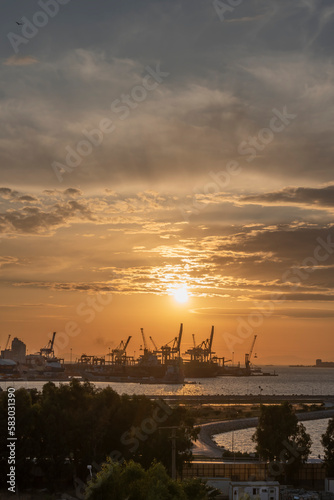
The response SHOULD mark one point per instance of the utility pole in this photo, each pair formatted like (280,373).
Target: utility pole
(173,438)
(174,453)
(233,446)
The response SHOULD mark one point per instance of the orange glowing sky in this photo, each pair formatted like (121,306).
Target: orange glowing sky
(159,165)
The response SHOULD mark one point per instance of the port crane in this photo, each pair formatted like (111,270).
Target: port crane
(154,344)
(203,351)
(7,341)
(118,355)
(144,341)
(91,360)
(48,350)
(146,349)
(208,345)
(168,351)
(178,343)
(249,355)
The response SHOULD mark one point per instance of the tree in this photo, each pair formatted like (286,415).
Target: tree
(327,441)
(63,429)
(130,481)
(281,439)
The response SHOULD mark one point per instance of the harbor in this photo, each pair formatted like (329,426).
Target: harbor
(166,364)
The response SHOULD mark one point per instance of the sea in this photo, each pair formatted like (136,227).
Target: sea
(242,440)
(289,381)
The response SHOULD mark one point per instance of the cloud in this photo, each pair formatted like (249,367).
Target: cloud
(141,212)
(8,193)
(8,261)
(276,313)
(27,198)
(34,220)
(321,197)
(299,297)
(191,124)
(120,210)
(20,61)
(73,192)
(39,305)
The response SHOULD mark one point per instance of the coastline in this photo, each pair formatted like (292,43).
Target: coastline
(205,446)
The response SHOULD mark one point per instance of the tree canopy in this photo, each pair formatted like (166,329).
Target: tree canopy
(62,429)
(327,440)
(129,481)
(280,438)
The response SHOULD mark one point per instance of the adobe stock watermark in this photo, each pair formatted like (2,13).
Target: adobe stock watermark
(278,122)
(30,28)
(250,147)
(289,454)
(87,309)
(130,439)
(11,439)
(123,106)
(219,180)
(293,276)
(222,8)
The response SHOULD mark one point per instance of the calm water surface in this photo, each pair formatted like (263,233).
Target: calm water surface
(317,381)
(243,439)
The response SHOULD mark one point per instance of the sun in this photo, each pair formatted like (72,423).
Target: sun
(181,295)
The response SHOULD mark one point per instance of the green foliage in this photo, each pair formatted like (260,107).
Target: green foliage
(129,481)
(196,489)
(327,441)
(237,454)
(63,429)
(279,437)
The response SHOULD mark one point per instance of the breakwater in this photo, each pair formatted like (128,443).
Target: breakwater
(207,447)
(245,399)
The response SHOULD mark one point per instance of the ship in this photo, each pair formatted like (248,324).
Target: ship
(204,363)
(41,365)
(163,365)
(324,364)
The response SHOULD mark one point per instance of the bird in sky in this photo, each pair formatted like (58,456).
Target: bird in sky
(19,24)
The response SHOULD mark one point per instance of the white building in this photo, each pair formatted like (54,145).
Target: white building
(257,490)
(17,353)
(329,485)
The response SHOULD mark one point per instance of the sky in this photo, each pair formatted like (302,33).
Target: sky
(168,161)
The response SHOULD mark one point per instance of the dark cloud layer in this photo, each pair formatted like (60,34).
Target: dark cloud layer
(323,196)
(224,80)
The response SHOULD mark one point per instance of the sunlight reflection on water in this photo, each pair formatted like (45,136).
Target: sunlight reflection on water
(310,381)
